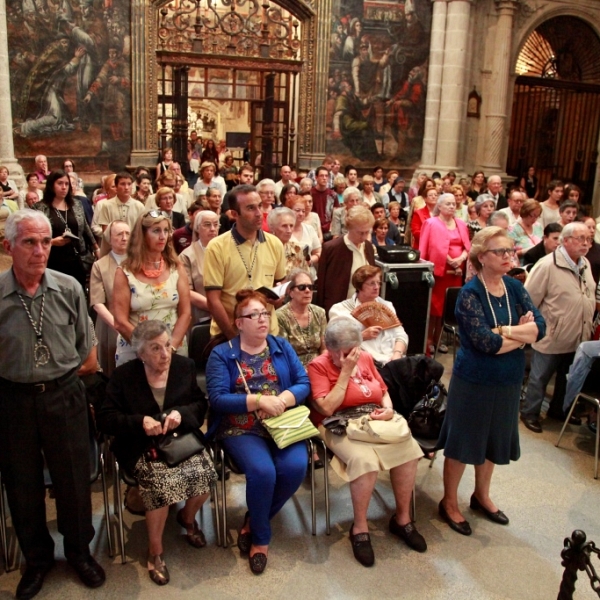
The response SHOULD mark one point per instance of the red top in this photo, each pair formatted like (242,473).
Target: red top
(365,387)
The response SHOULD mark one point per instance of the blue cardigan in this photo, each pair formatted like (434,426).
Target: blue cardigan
(222,373)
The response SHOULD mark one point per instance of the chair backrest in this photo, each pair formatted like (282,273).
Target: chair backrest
(199,338)
(591,386)
(450,305)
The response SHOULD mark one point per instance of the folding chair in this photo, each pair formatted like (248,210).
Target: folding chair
(590,393)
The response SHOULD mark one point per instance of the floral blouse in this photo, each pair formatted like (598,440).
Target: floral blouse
(306,341)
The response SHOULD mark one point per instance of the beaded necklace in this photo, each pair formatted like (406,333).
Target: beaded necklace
(255,249)
(487,293)
(154,273)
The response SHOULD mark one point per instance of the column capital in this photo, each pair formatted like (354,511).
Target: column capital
(506,7)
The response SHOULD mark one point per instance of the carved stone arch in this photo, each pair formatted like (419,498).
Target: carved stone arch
(312,96)
(528,24)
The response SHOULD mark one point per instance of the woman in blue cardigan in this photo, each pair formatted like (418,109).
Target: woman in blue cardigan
(255,376)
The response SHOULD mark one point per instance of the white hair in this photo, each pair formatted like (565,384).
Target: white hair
(146,331)
(263,183)
(342,333)
(568,230)
(442,198)
(349,191)
(11,231)
(276,214)
(201,215)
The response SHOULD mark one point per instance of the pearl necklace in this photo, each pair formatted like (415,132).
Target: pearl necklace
(487,293)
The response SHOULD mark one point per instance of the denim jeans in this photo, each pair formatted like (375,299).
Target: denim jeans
(543,366)
(582,365)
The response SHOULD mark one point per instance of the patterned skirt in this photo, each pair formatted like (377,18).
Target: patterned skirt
(161,485)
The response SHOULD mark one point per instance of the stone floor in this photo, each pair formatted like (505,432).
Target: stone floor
(547,494)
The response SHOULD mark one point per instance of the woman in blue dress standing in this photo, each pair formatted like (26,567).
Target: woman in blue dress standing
(496,318)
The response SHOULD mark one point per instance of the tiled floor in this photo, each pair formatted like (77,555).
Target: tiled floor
(547,494)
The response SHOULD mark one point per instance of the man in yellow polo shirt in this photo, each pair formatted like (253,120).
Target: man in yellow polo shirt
(245,257)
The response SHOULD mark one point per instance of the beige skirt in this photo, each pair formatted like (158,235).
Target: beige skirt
(353,459)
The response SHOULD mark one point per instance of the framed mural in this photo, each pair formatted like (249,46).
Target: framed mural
(70,80)
(377,82)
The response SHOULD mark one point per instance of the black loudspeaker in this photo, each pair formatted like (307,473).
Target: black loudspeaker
(408,288)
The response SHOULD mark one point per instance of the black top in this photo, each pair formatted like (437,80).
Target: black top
(129,399)
(534,254)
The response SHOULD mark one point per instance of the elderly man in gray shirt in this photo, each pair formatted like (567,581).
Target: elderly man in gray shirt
(45,338)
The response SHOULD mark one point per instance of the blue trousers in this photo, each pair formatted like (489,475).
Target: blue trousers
(586,353)
(272,477)
(543,366)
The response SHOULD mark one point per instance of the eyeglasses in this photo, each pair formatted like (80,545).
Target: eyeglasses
(583,240)
(373,284)
(503,251)
(255,316)
(208,225)
(304,286)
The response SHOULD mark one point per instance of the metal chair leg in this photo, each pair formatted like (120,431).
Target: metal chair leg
(223,498)
(315,441)
(3,527)
(104,475)
(119,510)
(413,504)
(567,421)
(313,501)
(214,498)
(432,460)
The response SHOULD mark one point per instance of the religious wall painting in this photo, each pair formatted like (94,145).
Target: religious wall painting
(70,80)
(378,82)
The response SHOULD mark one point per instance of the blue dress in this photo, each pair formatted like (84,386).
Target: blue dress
(483,398)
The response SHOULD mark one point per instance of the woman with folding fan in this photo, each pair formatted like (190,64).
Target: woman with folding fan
(385,341)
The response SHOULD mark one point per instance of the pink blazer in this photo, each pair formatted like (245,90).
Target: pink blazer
(435,242)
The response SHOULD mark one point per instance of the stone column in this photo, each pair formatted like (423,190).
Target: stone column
(453,96)
(142,115)
(7,148)
(434,83)
(314,130)
(497,90)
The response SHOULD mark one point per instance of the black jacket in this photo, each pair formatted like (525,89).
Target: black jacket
(534,254)
(129,399)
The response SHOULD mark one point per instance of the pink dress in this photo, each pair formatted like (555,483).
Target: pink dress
(438,295)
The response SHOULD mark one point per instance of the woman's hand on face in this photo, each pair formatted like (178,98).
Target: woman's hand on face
(272,405)
(152,426)
(370,333)
(527,318)
(172,421)
(349,362)
(382,414)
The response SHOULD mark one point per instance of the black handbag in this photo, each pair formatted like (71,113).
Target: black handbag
(175,446)
(426,419)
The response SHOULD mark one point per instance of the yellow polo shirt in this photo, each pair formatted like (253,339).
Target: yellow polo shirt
(224,269)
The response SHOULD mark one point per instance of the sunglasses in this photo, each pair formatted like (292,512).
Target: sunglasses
(305,286)
(154,214)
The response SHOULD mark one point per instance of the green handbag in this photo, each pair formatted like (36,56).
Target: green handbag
(292,426)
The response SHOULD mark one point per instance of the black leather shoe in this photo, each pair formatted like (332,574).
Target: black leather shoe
(361,546)
(497,517)
(532,424)
(88,570)
(258,563)
(31,582)
(244,540)
(461,527)
(409,534)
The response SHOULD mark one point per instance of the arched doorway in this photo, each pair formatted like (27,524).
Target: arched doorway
(231,69)
(556,105)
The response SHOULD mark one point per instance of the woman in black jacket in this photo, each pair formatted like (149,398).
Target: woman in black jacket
(145,399)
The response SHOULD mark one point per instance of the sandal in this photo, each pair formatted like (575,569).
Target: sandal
(196,538)
(157,569)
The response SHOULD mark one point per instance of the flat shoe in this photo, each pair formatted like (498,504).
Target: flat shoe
(244,540)
(461,527)
(409,534)
(32,581)
(443,349)
(158,572)
(497,517)
(362,549)
(258,562)
(532,424)
(196,538)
